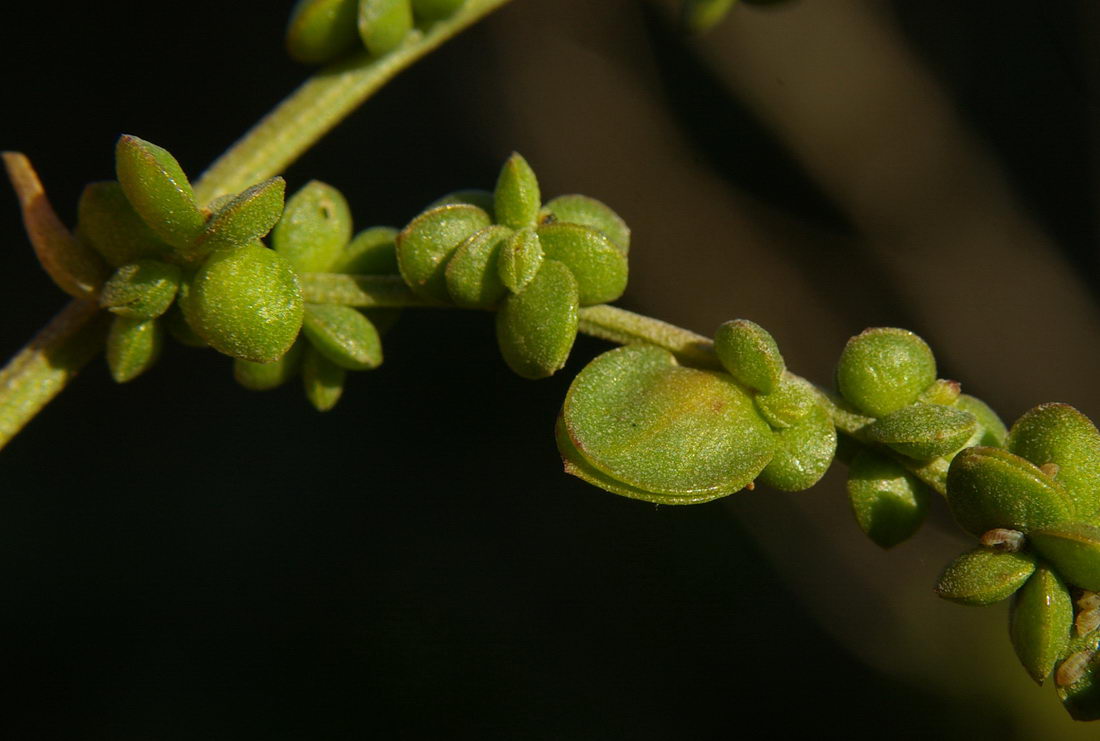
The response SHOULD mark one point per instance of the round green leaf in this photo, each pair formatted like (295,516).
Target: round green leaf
(322,30)
(803,452)
(639,418)
(158,190)
(536,327)
(425,245)
(267,376)
(516,199)
(1059,434)
(343,335)
(578,209)
(322,380)
(141,290)
(923,431)
(473,279)
(315,226)
(245,302)
(519,259)
(1074,549)
(989,488)
(133,346)
(599,267)
(750,354)
(107,222)
(1040,622)
(889,503)
(883,369)
(383,24)
(372,251)
(243,218)
(983,576)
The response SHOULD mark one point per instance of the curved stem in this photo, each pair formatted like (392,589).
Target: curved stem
(319,104)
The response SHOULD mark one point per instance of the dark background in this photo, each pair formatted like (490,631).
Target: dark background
(180,558)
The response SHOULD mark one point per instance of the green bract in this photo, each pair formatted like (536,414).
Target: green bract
(1059,434)
(243,218)
(133,345)
(322,30)
(343,335)
(883,369)
(322,380)
(989,488)
(1074,549)
(473,280)
(107,221)
(158,190)
(141,290)
(425,245)
(889,502)
(923,431)
(983,576)
(536,327)
(383,24)
(991,430)
(372,251)
(750,354)
(516,199)
(315,226)
(246,303)
(266,376)
(664,432)
(599,267)
(1040,622)
(803,452)
(519,259)
(578,209)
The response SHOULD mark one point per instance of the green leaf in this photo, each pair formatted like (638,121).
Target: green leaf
(436,10)
(372,251)
(245,302)
(141,290)
(639,418)
(983,576)
(989,488)
(803,452)
(516,199)
(790,402)
(599,267)
(425,245)
(750,354)
(315,226)
(343,335)
(991,430)
(889,503)
(923,431)
(267,376)
(1074,549)
(702,15)
(107,222)
(1040,622)
(578,209)
(942,391)
(158,190)
(519,259)
(322,380)
(537,326)
(243,218)
(473,279)
(884,369)
(133,346)
(322,30)
(383,24)
(1059,434)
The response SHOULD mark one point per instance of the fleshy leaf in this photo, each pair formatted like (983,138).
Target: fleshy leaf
(343,335)
(372,251)
(247,216)
(536,327)
(516,199)
(884,369)
(159,191)
(923,431)
(983,576)
(1059,434)
(383,24)
(315,226)
(599,267)
(133,346)
(141,290)
(942,391)
(473,279)
(425,245)
(1040,622)
(991,430)
(1074,549)
(989,488)
(790,402)
(322,380)
(638,417)
(803,452)
(319,31)
(107,222)
(750,354)
(578,209)
(889,503)
(519,259)
(267,376)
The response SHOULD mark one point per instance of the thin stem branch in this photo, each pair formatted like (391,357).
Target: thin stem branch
(319,104)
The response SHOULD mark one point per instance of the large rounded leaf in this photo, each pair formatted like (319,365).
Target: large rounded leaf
(638,417)
(578,209)
(425,245)
(884,369)
(599,266)
(1059,434)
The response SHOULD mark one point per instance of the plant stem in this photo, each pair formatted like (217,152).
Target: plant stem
(319,104)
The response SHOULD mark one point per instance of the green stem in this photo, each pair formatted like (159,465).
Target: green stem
(319,104)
